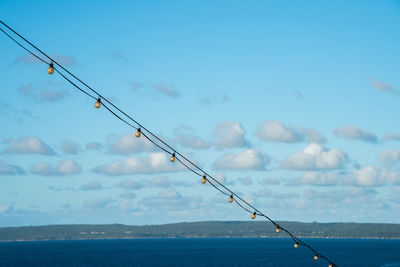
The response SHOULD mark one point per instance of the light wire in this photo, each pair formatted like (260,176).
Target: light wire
(164,146)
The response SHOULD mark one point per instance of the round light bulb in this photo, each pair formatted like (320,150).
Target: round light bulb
(50,70)
(253,216)
(316,257)
(172,158)
(296,245)
(278,229)
(230,199)
(204,180)
(330,265)
(98,103)
(137,134)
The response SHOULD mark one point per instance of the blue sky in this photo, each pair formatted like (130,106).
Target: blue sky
(292,105)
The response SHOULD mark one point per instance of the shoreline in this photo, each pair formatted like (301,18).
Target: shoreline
(131,238)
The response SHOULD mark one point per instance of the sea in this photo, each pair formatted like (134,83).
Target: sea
(200,252)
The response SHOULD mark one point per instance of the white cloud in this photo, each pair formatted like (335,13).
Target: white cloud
(28,145)
(312,136)
(167,90)
(383,87)
(275,131)
(91,186)
(354,133)
(93,146)
(352,197)
(153,163)
(128,195)
(65,167)
(126,205)
(324,179)
(161,182)
(214,99)
(250,159)
(169,202)
(164,181)
(135,86)
(131,184)
(43,92)
(389,157)
(230,134)
(222,179)
(70,148)
(94,204)
(371,176)
(264,192)
(119,56)
(129,143)
(10,169)
(186,136)
(269,181)
(169,193)
(315,157)
(367,176)
(246,181)
(4,208)
(28,59)
(391,137)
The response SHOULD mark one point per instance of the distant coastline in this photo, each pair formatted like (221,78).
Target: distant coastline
(208,229)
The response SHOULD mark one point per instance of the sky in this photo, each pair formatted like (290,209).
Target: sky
(292,105)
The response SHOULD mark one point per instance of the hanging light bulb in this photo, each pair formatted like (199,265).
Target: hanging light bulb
(98,103)
(331,265)
(278,229)
(253,216)
(172,158)
(204,180)
(296,245)
(230,199)
(50,69)
(316,257)
(137,134)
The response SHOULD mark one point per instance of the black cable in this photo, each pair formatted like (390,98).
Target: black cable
(23,46)
(154,143)
(159,139)
(256,211)
(76,86)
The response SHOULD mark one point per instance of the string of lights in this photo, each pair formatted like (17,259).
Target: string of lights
(54,66)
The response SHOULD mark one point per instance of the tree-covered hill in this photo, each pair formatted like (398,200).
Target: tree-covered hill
(234,229)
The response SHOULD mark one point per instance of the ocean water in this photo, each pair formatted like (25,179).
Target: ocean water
(199,252)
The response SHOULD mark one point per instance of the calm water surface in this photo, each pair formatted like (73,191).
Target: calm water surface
(199,252)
